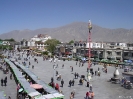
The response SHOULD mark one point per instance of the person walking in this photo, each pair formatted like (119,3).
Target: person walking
(79,64)
(32,66)
(87,84)
(62,82)
(75,75)
(82,64)
(95,73)
(5,81)
(52,80)
(98,68)
(9,97)
(70,82)
(11,76)
(56,73)
(29,63)
(91,88)
(73,82)
(92,95)
(76,63)
(87,95)
(72,68)
(2,82)
(63,66)
(6,78)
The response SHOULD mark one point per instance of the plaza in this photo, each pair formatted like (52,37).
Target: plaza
(101,87)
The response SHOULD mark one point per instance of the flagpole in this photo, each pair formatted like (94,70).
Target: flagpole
(89,49)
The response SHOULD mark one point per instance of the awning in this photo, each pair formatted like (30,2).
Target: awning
(58,95)
(36,86)
(32,94)
(42,97)
(49,96)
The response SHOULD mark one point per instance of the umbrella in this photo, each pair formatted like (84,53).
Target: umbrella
(36,86)
(20,90)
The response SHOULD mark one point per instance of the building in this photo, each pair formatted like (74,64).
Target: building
(36,42)
(4,43)
(101,50)
(64,49)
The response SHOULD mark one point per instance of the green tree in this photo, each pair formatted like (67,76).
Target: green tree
(45,53)
(52,44)
(12,40)
(71,42)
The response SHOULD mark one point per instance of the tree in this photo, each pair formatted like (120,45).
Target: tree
(45,53)
(71,42)
(12,40)
(52,44)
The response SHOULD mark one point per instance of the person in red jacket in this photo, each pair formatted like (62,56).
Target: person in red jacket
(87,95)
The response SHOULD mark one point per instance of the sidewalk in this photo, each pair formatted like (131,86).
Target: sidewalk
(10,89)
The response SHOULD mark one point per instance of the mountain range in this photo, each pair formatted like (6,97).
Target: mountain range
(74,31)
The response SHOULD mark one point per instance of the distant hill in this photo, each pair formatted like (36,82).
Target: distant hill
(75,31)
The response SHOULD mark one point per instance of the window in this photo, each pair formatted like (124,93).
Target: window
(132,54)
(84,44)
(125,53)
(118,53)
(94,44)
(109,53)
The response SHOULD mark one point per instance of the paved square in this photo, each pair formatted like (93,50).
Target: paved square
(101,87)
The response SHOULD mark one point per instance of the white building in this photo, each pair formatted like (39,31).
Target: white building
(5,43)
(95,45)
(32,43)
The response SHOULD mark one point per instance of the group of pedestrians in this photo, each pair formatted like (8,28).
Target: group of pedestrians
(71,83)
(4,81)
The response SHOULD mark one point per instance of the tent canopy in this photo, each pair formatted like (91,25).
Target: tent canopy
(34,94)
(58,95)
(49,96)
(36,86)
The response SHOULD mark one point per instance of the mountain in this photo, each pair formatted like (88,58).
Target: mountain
(75,31)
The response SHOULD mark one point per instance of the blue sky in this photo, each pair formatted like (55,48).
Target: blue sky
(34,14)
